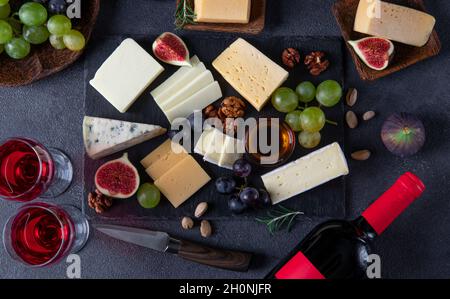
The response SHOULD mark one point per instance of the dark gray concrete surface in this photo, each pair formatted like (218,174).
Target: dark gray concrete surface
(416,246)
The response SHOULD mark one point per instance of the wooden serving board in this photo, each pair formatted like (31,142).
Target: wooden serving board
(345,13)
(255,25)
(327,200)
(44,60)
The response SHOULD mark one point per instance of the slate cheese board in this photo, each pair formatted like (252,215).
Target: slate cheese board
(325,201)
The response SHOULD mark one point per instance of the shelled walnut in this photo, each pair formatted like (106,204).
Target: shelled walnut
(316,62)
(99,202)
(290,57)
(230,109)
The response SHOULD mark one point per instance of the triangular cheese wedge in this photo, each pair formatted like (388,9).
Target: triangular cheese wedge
(103,137)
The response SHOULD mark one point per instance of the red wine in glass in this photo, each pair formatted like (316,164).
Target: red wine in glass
(29,170)
(41,234)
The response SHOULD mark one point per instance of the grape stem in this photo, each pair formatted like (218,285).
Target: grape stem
(331,122)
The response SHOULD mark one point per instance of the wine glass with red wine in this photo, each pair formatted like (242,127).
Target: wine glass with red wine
(29,170)
(41,234)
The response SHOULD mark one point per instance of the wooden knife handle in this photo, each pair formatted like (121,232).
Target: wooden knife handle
(219,258)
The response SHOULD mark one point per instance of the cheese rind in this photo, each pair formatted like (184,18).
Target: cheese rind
(394,22)
(182,181)
(178,80)
(195,84)
(250,72)
(219,11)
(197,101)
(126,74)
(103,137)
(306,173)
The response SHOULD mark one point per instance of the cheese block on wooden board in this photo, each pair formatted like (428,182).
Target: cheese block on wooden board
(103,137)
(178,80)
(219,11)
(196,83)
(197,101)
(250,72)
(161,151)
(123,77)
(395,22)
(306,173)
(180,182)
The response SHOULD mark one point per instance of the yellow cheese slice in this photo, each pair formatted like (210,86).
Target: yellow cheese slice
(182,181)
(220,11)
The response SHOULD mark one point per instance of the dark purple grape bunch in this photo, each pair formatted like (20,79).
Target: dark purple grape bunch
(243,196)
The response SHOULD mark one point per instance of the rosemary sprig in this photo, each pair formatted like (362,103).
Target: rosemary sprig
(184,14)
(279,218)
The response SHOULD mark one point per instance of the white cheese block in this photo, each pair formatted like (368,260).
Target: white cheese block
(126,74)
(219,148)
(179,79)
(204,141)
(103,137)
(231,152)
(197,101)
(394,22)
(306,173)
(214,149)
(250,72)
(195,84)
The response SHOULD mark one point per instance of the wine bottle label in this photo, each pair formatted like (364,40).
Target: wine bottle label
(299,267)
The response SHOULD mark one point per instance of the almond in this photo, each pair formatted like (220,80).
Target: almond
(368,115)
(352,97)
(205,229)
(187,223)
(362,155)
(201,209)
(352,120)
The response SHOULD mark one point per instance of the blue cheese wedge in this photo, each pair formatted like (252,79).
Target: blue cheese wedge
(306,173)
(126,74)
(103,137)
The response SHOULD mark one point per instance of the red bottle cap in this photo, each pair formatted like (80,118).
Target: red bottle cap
(393,202)
(299,267)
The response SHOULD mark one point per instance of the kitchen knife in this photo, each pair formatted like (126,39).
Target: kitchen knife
(163,242)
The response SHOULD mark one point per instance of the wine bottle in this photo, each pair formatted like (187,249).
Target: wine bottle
(339,249)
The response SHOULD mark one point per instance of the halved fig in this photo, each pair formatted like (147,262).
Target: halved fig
(375,52)
(117,178)
(171,49)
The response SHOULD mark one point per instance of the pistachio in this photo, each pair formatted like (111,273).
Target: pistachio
(352,96)
(187,223)
(368,115)
(362,155)
(205,229)
(201,209)
(352,120)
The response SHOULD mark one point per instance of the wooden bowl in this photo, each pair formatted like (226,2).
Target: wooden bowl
(44,60)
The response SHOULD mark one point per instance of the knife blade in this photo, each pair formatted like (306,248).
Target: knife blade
(163,242)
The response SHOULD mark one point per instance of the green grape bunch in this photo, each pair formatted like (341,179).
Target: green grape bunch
(302,115)
(36,24)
